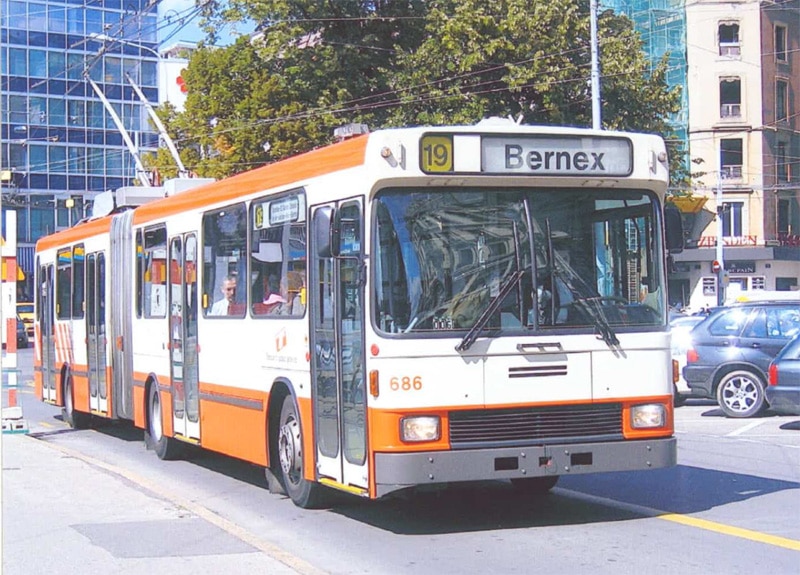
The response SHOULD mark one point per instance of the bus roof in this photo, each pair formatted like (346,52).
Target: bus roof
(341,156)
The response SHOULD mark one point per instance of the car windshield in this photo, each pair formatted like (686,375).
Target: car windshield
(526,259)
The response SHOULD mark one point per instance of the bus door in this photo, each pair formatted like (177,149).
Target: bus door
(96,332)
(183,337)
(337,333)
(47,332)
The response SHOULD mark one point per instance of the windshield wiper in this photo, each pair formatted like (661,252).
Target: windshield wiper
(512,281)
(591,307)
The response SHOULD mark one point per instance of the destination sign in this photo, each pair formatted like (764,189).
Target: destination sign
(557,155)
(277,212)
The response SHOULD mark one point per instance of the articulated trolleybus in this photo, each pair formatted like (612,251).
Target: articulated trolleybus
(404,308)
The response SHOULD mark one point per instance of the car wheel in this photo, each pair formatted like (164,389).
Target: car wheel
(740,393)
(302,492)
(75,419)
(166,448)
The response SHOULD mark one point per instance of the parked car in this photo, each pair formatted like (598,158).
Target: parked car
(22,335)
(681,327)
(25,314)
(783,391)
(731,351)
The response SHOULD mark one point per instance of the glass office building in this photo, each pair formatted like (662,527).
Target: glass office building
(59,146)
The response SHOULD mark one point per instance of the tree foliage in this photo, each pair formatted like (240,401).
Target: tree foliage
(318,65)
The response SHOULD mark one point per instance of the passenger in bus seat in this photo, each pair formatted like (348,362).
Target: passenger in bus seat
(273,298)
(228,289)
(293,286)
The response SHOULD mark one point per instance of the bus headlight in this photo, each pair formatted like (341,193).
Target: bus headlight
(420,428)
(650,415)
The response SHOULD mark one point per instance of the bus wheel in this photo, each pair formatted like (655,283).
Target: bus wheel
(535,485)
(302,492)
(165,447)
(75,419)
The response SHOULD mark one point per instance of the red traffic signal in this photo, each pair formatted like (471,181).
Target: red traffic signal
(181,83)
(715,267)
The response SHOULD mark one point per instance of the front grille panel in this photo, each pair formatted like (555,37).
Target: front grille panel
(535,425)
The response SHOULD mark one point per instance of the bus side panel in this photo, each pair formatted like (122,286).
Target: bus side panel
(80,386)
(309,447)
(234,422)
(166,411)
(139,406)
(37,375)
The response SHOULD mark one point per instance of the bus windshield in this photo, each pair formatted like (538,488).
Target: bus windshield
(574,258)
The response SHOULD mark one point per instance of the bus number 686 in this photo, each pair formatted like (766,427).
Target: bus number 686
(406,383)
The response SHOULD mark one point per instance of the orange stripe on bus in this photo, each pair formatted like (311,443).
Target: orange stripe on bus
(74,234)
(347,154)
(234,430)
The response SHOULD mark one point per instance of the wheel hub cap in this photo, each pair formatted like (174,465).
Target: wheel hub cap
(290,452)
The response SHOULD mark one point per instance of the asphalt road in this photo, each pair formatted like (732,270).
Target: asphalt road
(731,505)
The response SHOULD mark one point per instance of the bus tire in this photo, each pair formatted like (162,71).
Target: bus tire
(75,419)
(165,447)
(535,485)
(303,493)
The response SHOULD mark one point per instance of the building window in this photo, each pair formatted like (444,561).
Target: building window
(730,97)
(730,161)
(732,219)
(780,43)
(781,100)
(784,216)
(781,167)
(729,40)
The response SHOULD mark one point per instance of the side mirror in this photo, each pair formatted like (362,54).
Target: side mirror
(673,229)
(325,232)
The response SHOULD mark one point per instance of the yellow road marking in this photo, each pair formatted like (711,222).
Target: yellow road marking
(687,520)
(757,536)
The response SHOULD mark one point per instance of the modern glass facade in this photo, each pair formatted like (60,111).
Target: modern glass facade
(58,144)
(662,26)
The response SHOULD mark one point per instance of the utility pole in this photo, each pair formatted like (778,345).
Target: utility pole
(597,123)
(719,263)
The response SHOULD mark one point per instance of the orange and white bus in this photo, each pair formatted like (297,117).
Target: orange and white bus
(408,307)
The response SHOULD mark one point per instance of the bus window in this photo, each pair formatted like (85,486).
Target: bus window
(444,258)
(278,256)
(64,284)
(78,265)
(224,262)
(154,277)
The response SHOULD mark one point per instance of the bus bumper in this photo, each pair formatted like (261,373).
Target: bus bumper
(395,471)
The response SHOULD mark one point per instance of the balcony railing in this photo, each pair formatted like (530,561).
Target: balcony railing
(731,172)
(730,110)
(729,49)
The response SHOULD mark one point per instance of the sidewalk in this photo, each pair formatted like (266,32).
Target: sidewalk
(62,514)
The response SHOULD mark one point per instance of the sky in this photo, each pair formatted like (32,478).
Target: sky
(178,23)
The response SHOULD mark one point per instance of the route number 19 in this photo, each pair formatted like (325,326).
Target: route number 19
(437,154)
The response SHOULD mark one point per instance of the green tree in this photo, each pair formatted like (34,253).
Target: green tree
(318,65)
(530,61)
(308,71)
